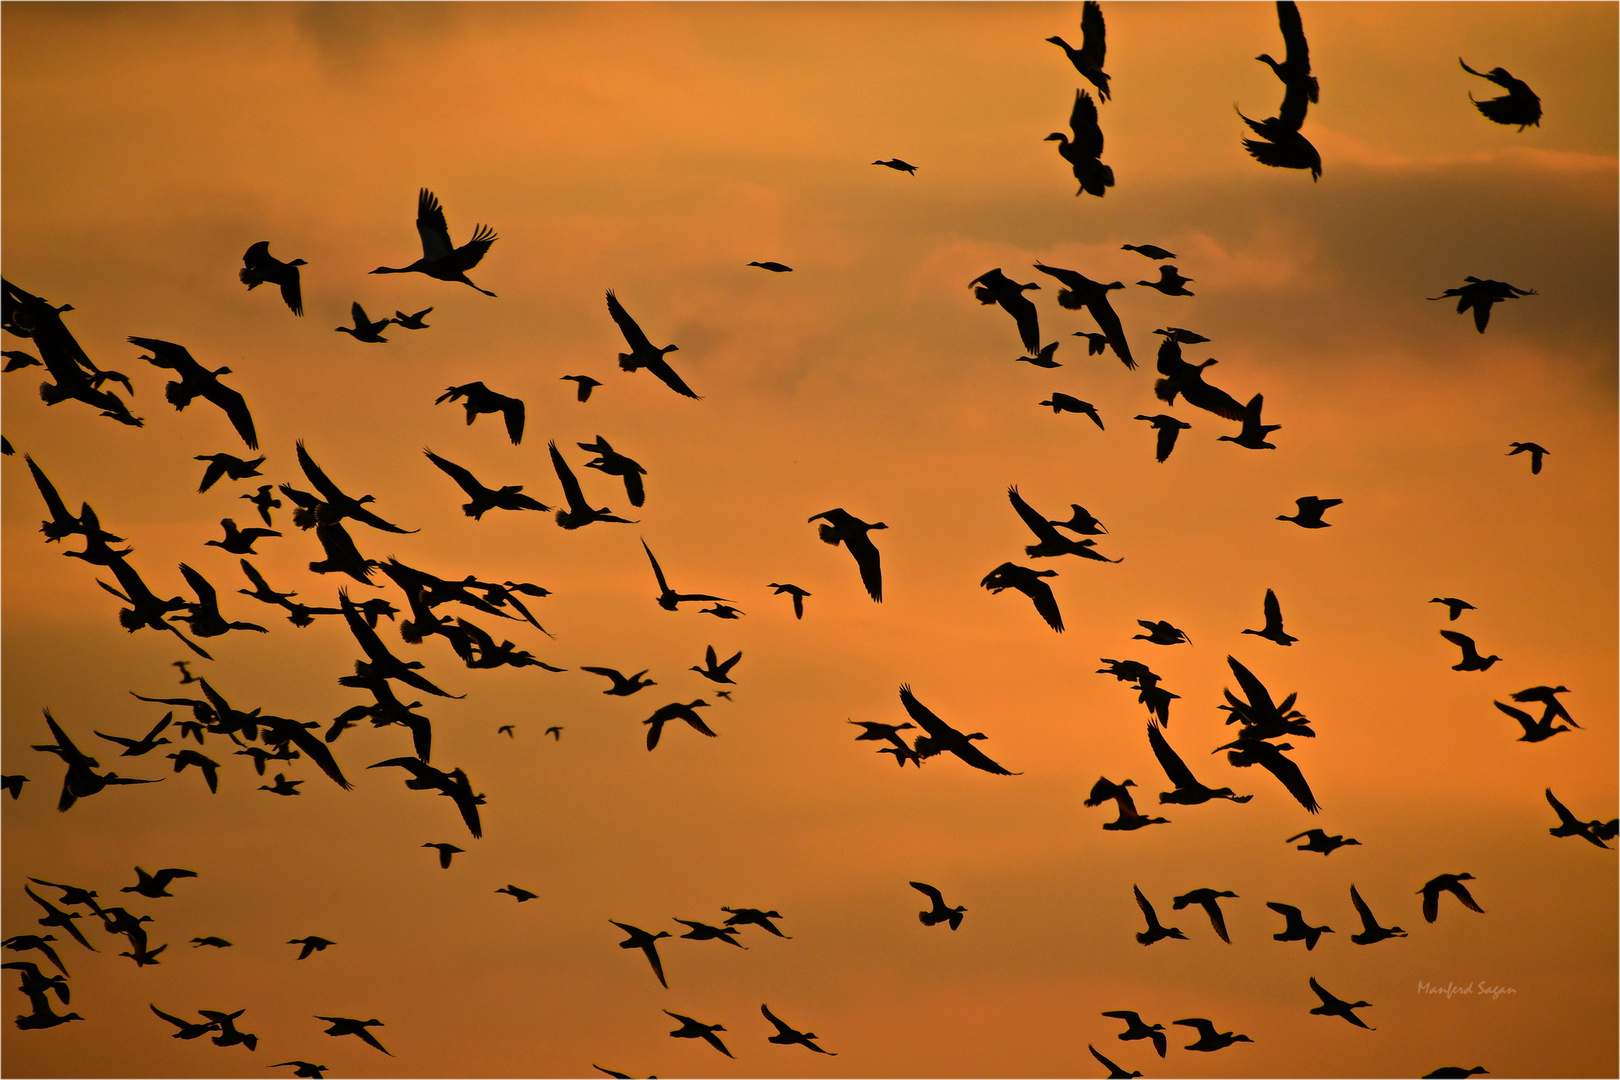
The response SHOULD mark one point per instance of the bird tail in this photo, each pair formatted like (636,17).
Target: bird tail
(250,278)
(829,535)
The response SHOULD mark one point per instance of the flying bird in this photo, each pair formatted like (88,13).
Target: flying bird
(1281,145)
(1210,901)
(1594,832)
(1519,105)
(585,383)
(520,895)
(1296,928)
(842,527)
(310,944)
(613,463)
(1043,359)
(1084,151)
(1254,433)
(1480,294)
(413,321)
(1135,1029)
(1129,818)
(1080,292)
(898,166)
(1318,840)
(1535,451)
(259,266)
(1170,282)
(478,399)
(205,765)
(155,885)
(197,381)
(1253,751)
(1451,883)
(1160,632)
(1274,622)
(186,1029)
(1168,428)
(1471,660)
(668,598)
(941,912)
(484,499)
(1208,1038)
(995,287)
(1012,576)
(696,1029)
(1188,792)
(1114,1071)
(1062,403)
(223,465)
(1152,251)
(647,943)
(439,259)
(701,931)
(773,267)
(365,328)
(145,744)
(1534,730)
(578,513)
(1309,514)
(1050,542)
(787,1036)
(445,852)
(1371,932)
(343,1025)
(338,504)
(622,686)
(1187,381)
(643,354)
(714,670)
(676,710)
(1089,57)
(1155,930)
(796,593)
(941,737)
(1295,68)
(747,916)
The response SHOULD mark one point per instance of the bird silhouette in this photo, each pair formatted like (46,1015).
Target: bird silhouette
(1093,51)
(412,321)
(484,499)
(1114,1071)
(1594,832)
(1274,622)
(1371,932)
(228,1033)
(1160,632)
(239,541)
(1168,428)
(187,1029)
(223,465)
(715,671)
(676,710)
(555,731)
(479,399)
(1519,105)
(1042,359)
(787,1036)
(747,916)
(1535,451)
(610,461)
(701,931)
(647,943)
(1281,145)
(1317,840)
(1170,282)
(1080,292)
(439,259)
(1062,403)
(36,942)
(1454,1072)
(643,354)
(1152,251)
(1187,381)
(1096,344)
(1210,901)
(343,1025)
(940,737)
(1084,151)
(1129,818)
(1188,792)
(1480,294)
(156,885)
(585,385)
(454,785)
(622,686)
(365,328)
(1135,1029)
(1012,576)
(1296,928)
(1208,1038)
(311,944)
(259,266)
(1155,930)
(773,267)
(520,895)
(1471,659)
(197,381)
(842,527)
(1534,730)
(579,513)
(1451,883)
(303,1069)
(1295,68)
(1050,542)
(795,592)
(1309,514)
(941,912)
(13,783)
(445,852)
(1254,433)
(696,1029)
(145,744)
(205,765)
(995,287)
(1253,751)
(898,166)
(282,786)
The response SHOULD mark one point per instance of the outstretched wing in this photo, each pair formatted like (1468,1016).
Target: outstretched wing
(1093,40)
(1038,525)
(661,368)
(1169,760)
(570,483)
(929,891)
(781,1028)
(627,326)
(466,480)
(1088,136)
(430,225)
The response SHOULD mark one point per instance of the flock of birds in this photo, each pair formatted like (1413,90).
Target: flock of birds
(326,508)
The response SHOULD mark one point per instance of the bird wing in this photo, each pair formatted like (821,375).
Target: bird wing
(657,570)
(1108,322)
(236,410)
(1460,891)
(1464,642)
(513,411)
(1169,760)
(1273,612)
(431,227)
(1289,774)
(471,253)
(1147,908)
(1217,919)
(1327,998)
(781,1028)
(570,483)
(1045,602)
(925,719)
(660,367)
(1298,54)
(1093,44)
(463,478)
(1088,136)
(206,596)
(868,561)
(627,326)
(1564,816)
(1038,525)
(1166,441)
(1212,399)
(1431,902)
(1520,715)
(53,501)
(168,355)
(1253,689)
(927,890)
(1368,923)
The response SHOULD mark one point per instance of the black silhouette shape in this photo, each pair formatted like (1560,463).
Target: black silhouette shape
(303,1069)
(203,617)
(1274,622)
(221,465)
(555,732)
(44,1016)
(1188,792)
(647,943)
(519,894)
(81,779)
(439,259)
(364,328)
(1168,428)
(1148,691)
(1454,1072)
(1152,251)
(412,322)
(1534,730)
(1451,883)
(1332,1006)
(484,499)
(1535,451)
(1254,433)
(610,461)
(1594,832)
(773,267)
(579,513)
(1371,932)
(1062,403)
(282,786)
(1160,632)
(1080,292)
(622,686)
(643,354)
(1309,514)
(453,784)
(1050,542)
(383,664)
(145,744)
(796,593)
(1480,294)
(13,783)
(715,671)
(239,541)
(1170,282)
(787,1036)
(1295,68)
(1042,359)
(445,852)
(898,166)
(842,527)
(311,944)
(212,942)
(338,504)
(722,611)
(1093,51)
(156,885)
(1281,145)
(1296,928)
(197,381)
(1114,1071)
(1136,1029)
(477,398)
(1519,105)
(1129,818)
(259,266)
(940,737)
(585,385)
(1155,930)
(55,918)
(994,287)
(700,931)
(676,710)
(941,912)
(1208,1038)
(1084,151)
(39,942)
(1096,344)
(186,1029)
(508,730)
(1210,901)
(1187,381)
(75,375)
(343,1025)
(1317,840)
(228,1035)
(1012,576)
(696,1029)
(1471,660)
(1253,751)
(205,765)
(747,916)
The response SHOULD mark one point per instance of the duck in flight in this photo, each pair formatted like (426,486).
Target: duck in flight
(1536,452)
(1245,752)
(282,786)
(995,287)
(1170,282)
(1274,622)
(445,852)
(197,381)
(1088,59)
(439,259)
(1317,840)
(1451,883)
(1534,730)
(1084,151)
(365,328)
(412,322)
(311,944)
(145,744)
(647,943)
(485,499)
(841,527)
(578,512)
(520,895)
(696,1029)
(613,463)
(1042,359)
(585,383)
(479,399)
(1187,381)
(940,737)
(1281,145)
(941,912)
(773,267)
(1151,251)
(1593,832)
(622,686)
(1519,105)
(223,465)
(1051,543)
(1309,514)
(1188,792)
(1210,901)
(1332,1006)
(747,916)
(339,505)
(1254,433)
(676,710)
(1169,428)
(1029,582)
(701,931)
(795,592)
(1295,68)
(1160,632)
(787,1036)
(155,885)
(898,166)
(1371,932)
(1296,928)
(1136,1028)
(1480,294)
(714,670)
(1471,660)
(1114,1071)
(343,1025)
(668,598)
(259,266)
(1080,292)
(1062,403)
(1129,817)
(643,354)
(1155,930)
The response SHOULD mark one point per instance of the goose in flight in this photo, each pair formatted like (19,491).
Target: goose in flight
(239,541)
(339,505)
(613,463)
(696,1029)
(773,267)
(453,784)
(1451,883)
(1246,752)
(1012,576)
(445,852)
(1260,716)
(1051,543)
(622,686)
(995,287)
(304,1070)
(54,918)
(1114,1071)
(1274,622)
(382,663)
(1309,514)
(1135,1029)
(1160,632)
(1534,730)
(187,1029)
(1536,452)
(1062,403)
(1080,292)
(795,592)
(155,885)
(1254,433)
(1371,932)
(585,384)
(41,942)
(259,266)
(842,527)
(1043,359)
(1594,832)
(668,598)
(203,617)
(1155,930)
(485,499)
(1519,105)
(941,737)
(578,513)
(412,322)
(520,895)
(1096,344)
(1089,57)
(941,912)
(701,931)
(197,381)
(1129,817)
(1295,67)
(282,786)
(1084,151)
(898,166)
(223,465)
(1208,1038)
(439,259)
(365,328)
(715,671)
(205,765)
(478,399)
(1471,660)
(1281,145)
(1170,282)
(1151,251)
(1210,901)
(1318,840)
(1169,428)
(1188,792)
(1081,521)
(676,710)
(343,1025)
(1296,928)
(647,943)
(310,944)
(787,1036)
(1454,1072)
(1187,380)
(145,744)
(1480,294)
(643,354)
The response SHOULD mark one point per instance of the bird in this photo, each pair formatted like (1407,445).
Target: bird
(1471,660)
(1188,792)
(239,541)
(715,671)
(259,266)
(1309,514)
(1332,1006)
(39,942)
(1050,542)
(622,686)
(1480,294)
(1152,251)
(1547,696)
(796,593)
(13,784)
(1187,381)
(1317,840)
(1080,292)
(1168,428)
(668,598)
(585,385)
(518,894)
(643,354)
(1455,1072)
(579,513)
(197,381)
(1081,521)
(842,527)
(1210,901)
(696,1029)
(1062,403)
(1170,282)
(1519,105)
(1452,883)
(508,730)
(1114,1071)
(1535,451)
(1274,622)
(1088,58)
(1254,433)
(1160,632)
(1208,1038)
(413,321)
(1129,817)
(1594,832)
(754,917)
(1295,68)
(700,931)
(364,328)
(453,784)
(222,465)
(1371,932)
(676,711)
(1454,606)
(1534,730)
(1281,145)
(439,259)
(282,786)
(1135,1029)
(310,944)
(555,731)
(1155,930)
(1096,344)
(203,617)
(1042,359)
(610,461)
(484,499)
(1253,751)
(206,765)
(187,1029)
(1084,151)
(773,267)
(1296,928)
(647,943)
(941,912)
(1012,576)
(339,505)
(995,287)
(898,166)
(477,399)
(941,737)
(787,1036)
(228,1034)
(55,918)
(303,1069)
(343,1025)
(145,744)
(445,852)
(155,885)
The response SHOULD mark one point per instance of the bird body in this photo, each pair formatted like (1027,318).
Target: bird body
(479,399)
(676,711)
(647,943)
(1136,1028)
(1273,630)
(787,1036)
(1320,841)
(715,671)
(365,328)
(1471,659)
(585,385)
(1188,792)
(310,944)
(1084,151)
(940,737)
(1535,451)
(1170,282)
(773,267)
(610,461)
(197,381)
(343,1025)
(1210,901)
(1254,433)
(1332,1006)
(484,499)
(1029,582)
(898,166)
(1209,1039)
(1129,818)
(156,885)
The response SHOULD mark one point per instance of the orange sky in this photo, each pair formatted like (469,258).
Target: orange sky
(656,150)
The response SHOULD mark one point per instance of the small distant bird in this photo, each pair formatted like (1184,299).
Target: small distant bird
(622,686)
(439,259)
(412,322)
(721,611)
(1168,428)
(1043,359)
(1453,605)
(259,266)
(1451,883)
(1170,282)
(1188,792)
(1471,660)
(1093,51)
(264,501)
(898,166)
(1480,294)
(754,917)
(942,738)
(187,1029)
(310,944)
(1296,928)
(222,465)
(1332,1006)
(647,943)
(1519,105)
(1084,151)
(941,911)
(445,852)
(282,786)
(586,385)
(1317,840)
(239,541)
(787,1036)
(701,931)
(1594,832)
(676,711)
(1155,930)
(715,671)
(13,784)
(1455,1072)
(1371,932)
(1208,1038)
(1062,403)
(1135,1029)
(643,354)
(156,885)
(1210,901)
(304,1070)
(1029,582)
(478,399)
(508,730)
(613,463)
(773,267)
(794,591)
(1274,622)
(206,765)
(995,287)
(1160,633)
(364,328)
(696,1029)
(520,895)
(484,499)
(555,732)
(1534,450)
(1129,817)
(1096,344)
(1253,435)
(1152,251)
(343,1025)
(841,527)
(1309,514)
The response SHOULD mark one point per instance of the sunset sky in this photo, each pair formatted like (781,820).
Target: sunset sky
(656,150)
